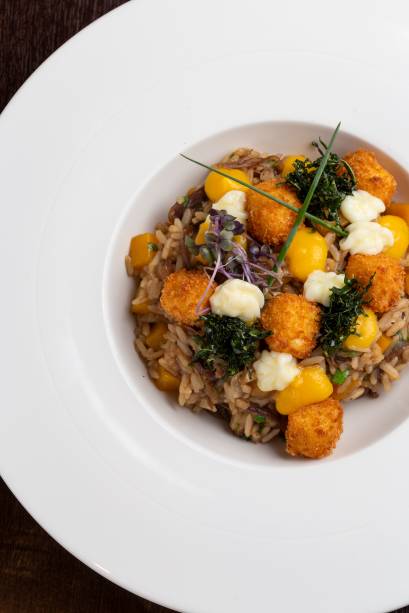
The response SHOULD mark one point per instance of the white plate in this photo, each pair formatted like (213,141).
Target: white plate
(162,502)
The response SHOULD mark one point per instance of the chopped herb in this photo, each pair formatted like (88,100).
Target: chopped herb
(339,317)
(227,342)
(337,181)
(270,280)
(340,376)
(185,201)
(259,419)
(152,247)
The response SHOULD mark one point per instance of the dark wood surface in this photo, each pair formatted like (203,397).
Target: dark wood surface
(36,574)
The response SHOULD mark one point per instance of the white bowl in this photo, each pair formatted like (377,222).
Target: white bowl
(366,420)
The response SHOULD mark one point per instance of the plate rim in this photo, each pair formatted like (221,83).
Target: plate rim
(21,497)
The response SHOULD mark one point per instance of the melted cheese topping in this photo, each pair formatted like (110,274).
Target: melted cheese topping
(275,371)
(361,206)
(237,298)
(318,285)
(366,237)
(234,203)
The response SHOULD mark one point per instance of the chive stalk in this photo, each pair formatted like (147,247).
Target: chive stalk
(304,208)
(313,218)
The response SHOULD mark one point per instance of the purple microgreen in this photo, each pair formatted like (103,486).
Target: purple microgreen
(209,285)
(211,236)
(238,228)
(226,244)
(265,251)
(230,259)
(191,245)
(206,253)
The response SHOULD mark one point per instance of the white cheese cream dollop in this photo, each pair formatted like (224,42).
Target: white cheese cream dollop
(366,237)
(318,285)
(361,206)
(275,370)
(237,298)
(234,203)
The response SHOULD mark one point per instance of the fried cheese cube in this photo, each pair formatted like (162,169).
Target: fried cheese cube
(270,222)
(181,294)
(387,275)
(294,324)
(314,430)
(370,175)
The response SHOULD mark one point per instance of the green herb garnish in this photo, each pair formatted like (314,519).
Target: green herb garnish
(228,341)
(185,201)
(312,218)
(340,376)
(259,419)
(307,198)
(152,247)
(340,316)
(402,336)
(337,181)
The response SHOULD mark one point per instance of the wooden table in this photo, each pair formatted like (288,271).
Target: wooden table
(36,574)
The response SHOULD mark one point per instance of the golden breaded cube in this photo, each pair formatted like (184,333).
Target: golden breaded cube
(314,430)
(181,294)
(294,324)
(371,176)
(388,279)
(268,221)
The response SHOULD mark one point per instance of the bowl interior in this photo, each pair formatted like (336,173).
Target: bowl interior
(366,420)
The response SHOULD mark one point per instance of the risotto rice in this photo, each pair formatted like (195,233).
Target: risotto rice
(173,348)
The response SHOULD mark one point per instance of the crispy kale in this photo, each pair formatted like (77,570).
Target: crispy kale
(227,342)
(339,318)
(337,181)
